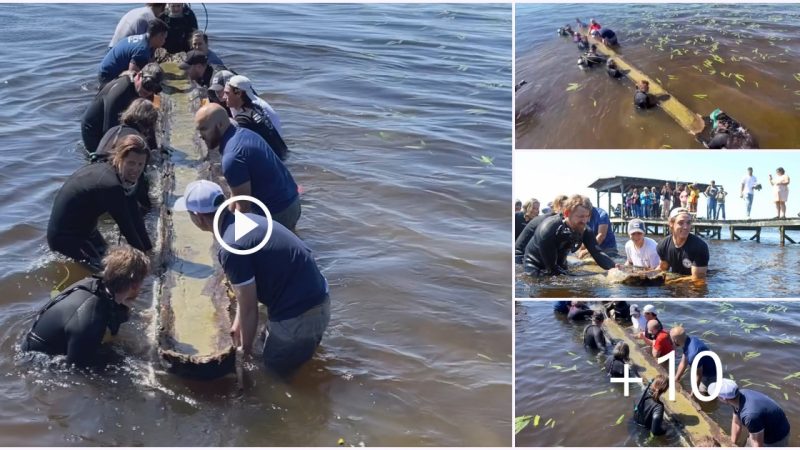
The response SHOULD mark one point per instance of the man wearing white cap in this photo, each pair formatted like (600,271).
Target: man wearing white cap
(282,275)
(764,419)
(252,112)
(249,165)
(639,321)
(682,252)
(641,250)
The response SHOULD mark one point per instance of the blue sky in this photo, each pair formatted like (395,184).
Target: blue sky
(543,174)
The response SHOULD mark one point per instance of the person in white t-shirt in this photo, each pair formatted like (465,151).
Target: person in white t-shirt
(638,319)
(749,183)
(641,251)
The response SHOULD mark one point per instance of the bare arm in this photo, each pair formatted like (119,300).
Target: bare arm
(602,232)
(242,189)
(699,273)
(681,368)
(757,439)
(132,66)
(736,428)
(246,315)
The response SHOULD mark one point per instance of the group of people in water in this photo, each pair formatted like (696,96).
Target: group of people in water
(574,225)
(119,135)
(725,132)
(762,417)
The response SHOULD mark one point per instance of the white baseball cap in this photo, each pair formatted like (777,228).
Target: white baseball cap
(650,309)
(727,389)
(241,82)
(201,196)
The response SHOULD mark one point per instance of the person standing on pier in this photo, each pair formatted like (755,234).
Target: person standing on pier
(749,185)
(682,252)
(781,185)
(721,203)
(711,200)
(666,200)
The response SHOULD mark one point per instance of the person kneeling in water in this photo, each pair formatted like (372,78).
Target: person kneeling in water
(612,69)
(74,323)
(591,58)
(649,410)
(728,133)
(642,97)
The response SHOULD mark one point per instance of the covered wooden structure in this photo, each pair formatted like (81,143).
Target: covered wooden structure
(621,184)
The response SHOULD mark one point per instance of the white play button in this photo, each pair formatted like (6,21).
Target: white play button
(242,225)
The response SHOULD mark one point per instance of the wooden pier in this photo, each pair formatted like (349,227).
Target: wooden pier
(712,229)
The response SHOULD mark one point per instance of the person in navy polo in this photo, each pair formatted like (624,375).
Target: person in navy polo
(250,166)
(133,52)
(282,275)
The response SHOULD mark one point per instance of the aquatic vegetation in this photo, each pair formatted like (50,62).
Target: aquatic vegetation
(603,392)
(701,96)
(797,76)
(620,419)
(573,87)
(521,422)
(794,375)
(485,160)
(773,386)
(751,355)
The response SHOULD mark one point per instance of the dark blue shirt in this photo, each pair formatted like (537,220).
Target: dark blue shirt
(133,48)
(561,306)
(607,33)
(213,59)
(692,348)
(247,157)
(761,413)
(287,279)
(600,217)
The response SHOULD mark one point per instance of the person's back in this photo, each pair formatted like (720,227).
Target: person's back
(600,217)
(256,119)
(132,23)
(608,36)
(75,323)
(615,367)
(758,413)
(579,312)
(103,113)
(246,157)
(649,413)
(594,338)
(134,48)
(527,232)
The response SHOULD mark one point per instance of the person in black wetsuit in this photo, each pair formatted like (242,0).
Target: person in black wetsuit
(530,211)
(618,309)
(561,306)
(73,324)
(557,236)
(139,119)
(181,22)
(92,191)
(649,410)
(253,113)
(615,363)
(115,97)
(642,96)
(530,228)
(612,70)
(593,336)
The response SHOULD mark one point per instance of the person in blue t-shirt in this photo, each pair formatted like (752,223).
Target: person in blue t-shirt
(250,166)
(608,36)
(600,223)
(691,347)
(282,275)
(133,52)
(762,416)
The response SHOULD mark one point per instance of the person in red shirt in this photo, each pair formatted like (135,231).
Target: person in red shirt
(594,27)
(661,344)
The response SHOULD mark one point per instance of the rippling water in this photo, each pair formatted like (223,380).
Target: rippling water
(759,43)
(544,338)
(397,117)
(736,269)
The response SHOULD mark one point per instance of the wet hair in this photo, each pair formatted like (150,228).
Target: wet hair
(594,47)
(125,267)
(576,201)
(659,386)
(131,143)
(598,317)
(156,26)
(141,114)
(201,34)
(558,203)
(622,351)
(780,170)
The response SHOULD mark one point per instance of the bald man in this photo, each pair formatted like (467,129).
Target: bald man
(250,167)
(660,344)
(690,347)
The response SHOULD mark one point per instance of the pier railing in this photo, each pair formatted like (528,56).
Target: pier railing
(712,229)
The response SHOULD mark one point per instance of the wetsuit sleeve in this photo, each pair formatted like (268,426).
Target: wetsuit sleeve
(120,209)
(138,220)
(111,109)
(192,20)
(600,258)
(657,424)
(600,338)
(84,332)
